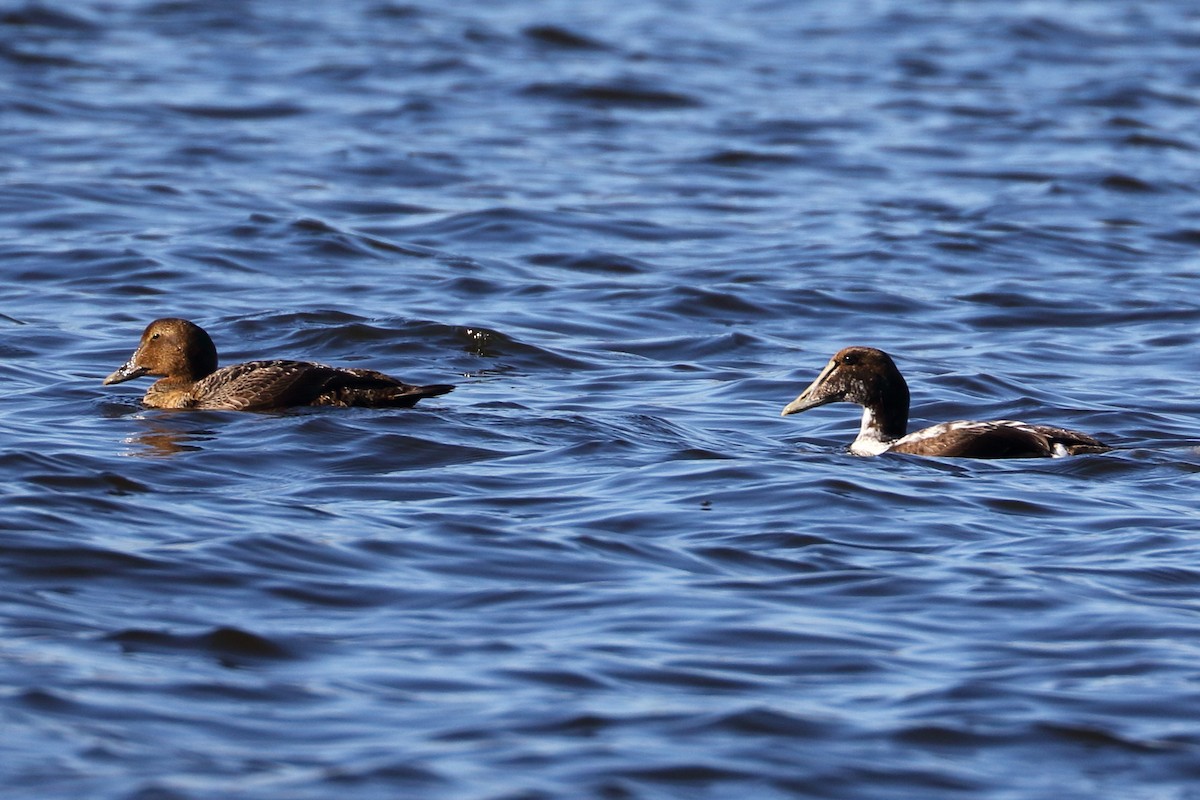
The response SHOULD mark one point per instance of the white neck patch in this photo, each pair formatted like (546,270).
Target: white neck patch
(870,441)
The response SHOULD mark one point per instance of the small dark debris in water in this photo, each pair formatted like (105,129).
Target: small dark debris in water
(555,36)
(1182,236)
(45,700)
(230,646)
(591,261)
(34,15)
(740,158)
(613,96)
(1127,183)
(1160,142)
(313,225)
(917,67)
(234,112)
(1127,122)
(27,58)
(395,11)
(234,642)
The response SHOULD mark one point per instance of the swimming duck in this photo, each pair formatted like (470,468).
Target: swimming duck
(186,358)
(869,378)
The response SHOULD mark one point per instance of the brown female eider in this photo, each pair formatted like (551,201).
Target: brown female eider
(869,378)
(186,359)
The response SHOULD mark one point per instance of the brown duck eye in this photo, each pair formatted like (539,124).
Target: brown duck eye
(154,336)
(849,358)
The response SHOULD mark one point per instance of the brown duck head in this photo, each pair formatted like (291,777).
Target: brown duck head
(170,348)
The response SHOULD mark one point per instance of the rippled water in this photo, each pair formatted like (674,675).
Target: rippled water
(604,566)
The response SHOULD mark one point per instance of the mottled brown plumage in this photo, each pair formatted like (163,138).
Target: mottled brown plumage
(184,356)
(869,378)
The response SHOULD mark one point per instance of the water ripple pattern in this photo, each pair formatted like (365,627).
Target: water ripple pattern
(604,566)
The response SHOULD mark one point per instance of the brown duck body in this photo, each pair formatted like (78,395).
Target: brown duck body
(869,378)
(185,358)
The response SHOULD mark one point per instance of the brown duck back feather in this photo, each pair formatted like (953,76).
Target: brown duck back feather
(264,385)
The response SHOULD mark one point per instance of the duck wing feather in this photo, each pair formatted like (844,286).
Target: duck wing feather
(997,439)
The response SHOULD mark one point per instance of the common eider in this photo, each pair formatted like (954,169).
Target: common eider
(185,358)
(869,378)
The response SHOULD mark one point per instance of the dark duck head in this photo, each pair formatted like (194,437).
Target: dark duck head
(183,356)
(869,378)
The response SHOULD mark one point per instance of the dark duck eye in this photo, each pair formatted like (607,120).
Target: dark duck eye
(850,359)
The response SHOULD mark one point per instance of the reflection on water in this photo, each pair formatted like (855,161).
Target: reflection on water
(163,435)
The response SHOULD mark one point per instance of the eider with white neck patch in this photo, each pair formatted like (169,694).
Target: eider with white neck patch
(869,378)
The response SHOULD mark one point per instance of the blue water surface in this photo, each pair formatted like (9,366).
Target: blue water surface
(604,566)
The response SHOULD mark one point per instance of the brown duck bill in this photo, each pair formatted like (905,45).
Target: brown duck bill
(127,372)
